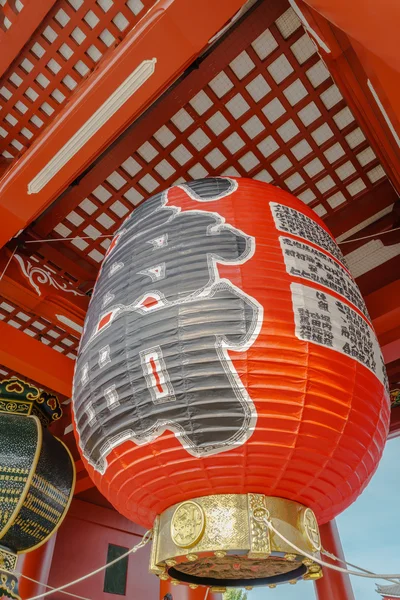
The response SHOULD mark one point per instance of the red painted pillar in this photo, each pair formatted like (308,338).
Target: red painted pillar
(333,585)
(35,564)
(183,592)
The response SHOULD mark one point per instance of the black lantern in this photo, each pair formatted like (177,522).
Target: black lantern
(37,475)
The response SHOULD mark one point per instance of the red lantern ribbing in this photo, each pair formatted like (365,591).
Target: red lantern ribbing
(228,352)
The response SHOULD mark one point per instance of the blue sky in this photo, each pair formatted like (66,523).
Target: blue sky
(370,534)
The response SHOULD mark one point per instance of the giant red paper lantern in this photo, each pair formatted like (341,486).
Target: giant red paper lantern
(227,352)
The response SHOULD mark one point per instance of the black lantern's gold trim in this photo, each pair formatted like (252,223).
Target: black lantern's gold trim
(8,583)
(19,397)
(30,476)
(15,407)
(68,504)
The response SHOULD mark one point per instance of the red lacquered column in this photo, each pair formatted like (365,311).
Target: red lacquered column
(333,585)
(35,564)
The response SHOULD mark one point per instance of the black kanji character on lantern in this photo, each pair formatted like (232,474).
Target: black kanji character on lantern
(154,354)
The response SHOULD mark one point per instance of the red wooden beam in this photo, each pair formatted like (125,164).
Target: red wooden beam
(148,60)
(379,277)
(389,336)
(384,300)
(83,483)
(383,224)
(361,209)
(35,289)
(384,308)
(23,25)
(35,360)
(391,352)
(393,371)
(375,27)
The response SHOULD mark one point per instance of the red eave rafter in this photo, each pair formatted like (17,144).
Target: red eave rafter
(391,351)
(22,25)
(35,360)
(37,290)
(158,50)
(361,209)
(376,28)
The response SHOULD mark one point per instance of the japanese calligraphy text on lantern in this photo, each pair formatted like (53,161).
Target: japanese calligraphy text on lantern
(292,221)
(322,319)
(165,312)
(305,261)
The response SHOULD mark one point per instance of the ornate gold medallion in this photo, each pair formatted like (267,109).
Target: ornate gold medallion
(311,529)
(188,524)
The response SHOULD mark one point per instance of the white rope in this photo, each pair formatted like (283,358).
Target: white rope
(111,235)
(9,260)
(18,574)
(146,538)
(67,239)
(345,562)
(369,575)
(367,237)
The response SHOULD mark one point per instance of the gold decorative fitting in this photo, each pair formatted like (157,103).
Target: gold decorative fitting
(175,582)
(9,586)
(272,585)
(248,588)
(290,557)
(307,562)
(229,540)
(193,586)
(259,531)
(192,557)
(8,560)
(293,582)
(311,530)
(164,576)
(218,590)
(170,562)
(314,568)
(187,525)
(313,576)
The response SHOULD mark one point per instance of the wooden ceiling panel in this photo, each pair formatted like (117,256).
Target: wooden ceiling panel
(9,12)
(67,47)
(50,334)
(266,108)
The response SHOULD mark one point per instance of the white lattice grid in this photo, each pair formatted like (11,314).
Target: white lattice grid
(370,256)
(63,53)
(273,109)
(39,328)
(5,22)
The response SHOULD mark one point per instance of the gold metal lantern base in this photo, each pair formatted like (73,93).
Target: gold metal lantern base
(224,541)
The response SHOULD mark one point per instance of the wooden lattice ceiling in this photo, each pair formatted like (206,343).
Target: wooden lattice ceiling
(264,106)
(74,37)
